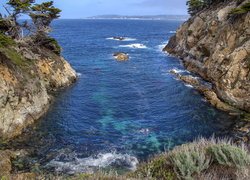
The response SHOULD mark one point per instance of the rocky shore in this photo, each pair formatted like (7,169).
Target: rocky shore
(27,76)
(217,48)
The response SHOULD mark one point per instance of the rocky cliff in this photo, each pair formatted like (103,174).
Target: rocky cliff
(217,48)
(27,76)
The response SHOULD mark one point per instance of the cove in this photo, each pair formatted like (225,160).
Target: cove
(119,113)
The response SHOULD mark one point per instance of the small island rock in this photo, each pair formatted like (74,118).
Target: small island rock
(118,38)
(120,56)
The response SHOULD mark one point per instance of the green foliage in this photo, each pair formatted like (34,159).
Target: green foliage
(47,42)
(189,160)
(158,168)
(15,57)
(6,41)
(43,14)
(228,155)
(245,8)
(195,6)
(190,32)
(20,6)
(4,25)
(4,178)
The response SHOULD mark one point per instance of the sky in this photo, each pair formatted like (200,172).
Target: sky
(74,9)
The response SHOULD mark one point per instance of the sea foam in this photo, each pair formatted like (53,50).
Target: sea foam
(135,46)
(125,39)
(75,165)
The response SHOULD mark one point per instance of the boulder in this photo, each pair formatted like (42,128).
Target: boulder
(121,56)
(119,38)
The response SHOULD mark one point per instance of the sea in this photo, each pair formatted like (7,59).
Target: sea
(118,114)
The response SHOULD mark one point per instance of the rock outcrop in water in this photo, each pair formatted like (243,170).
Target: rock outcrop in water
(27,74)
(217,48)
(120,56)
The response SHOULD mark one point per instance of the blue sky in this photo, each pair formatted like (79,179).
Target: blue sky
(86,8)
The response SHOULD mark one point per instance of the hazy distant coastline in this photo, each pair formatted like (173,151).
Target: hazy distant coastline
(147,17)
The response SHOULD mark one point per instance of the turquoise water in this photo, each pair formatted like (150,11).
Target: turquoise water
(119,113)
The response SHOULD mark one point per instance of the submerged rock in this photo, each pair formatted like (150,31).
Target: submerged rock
(121,56)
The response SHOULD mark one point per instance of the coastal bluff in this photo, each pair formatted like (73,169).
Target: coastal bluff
(28,75)
(216,46)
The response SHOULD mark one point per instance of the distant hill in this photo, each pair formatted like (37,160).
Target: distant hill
(155,17)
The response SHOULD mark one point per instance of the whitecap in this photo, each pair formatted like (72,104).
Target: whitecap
(75,165)
(172,32)
(135,46)
(177,71)
(129,39)
(162,46)
(79,74)
(123,39)
(189,86)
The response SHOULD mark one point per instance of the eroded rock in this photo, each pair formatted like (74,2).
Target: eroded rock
(218,49)
(121,56)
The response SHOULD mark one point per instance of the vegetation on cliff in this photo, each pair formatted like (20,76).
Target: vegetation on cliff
(11,27)
(30,65)
(214,43)
(195,6)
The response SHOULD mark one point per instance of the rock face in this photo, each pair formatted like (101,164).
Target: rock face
(120,56)
(27,75)
(208,93)
(218,49)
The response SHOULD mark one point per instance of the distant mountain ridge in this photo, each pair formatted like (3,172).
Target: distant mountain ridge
(146,17)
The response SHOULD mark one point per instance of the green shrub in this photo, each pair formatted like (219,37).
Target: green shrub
(157,168)
(189,160)
(53,45)
(6,41)
(245,8)
(190,32)
(228,155)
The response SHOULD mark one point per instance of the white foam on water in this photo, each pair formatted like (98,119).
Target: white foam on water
(177,71)
(172,32)
(129,39)
(189,86)
(125,39)
(135,46)
(162,46)
(79,74)
(87,165)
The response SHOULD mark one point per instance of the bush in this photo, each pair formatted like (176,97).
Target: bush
(6,41)
(157,168)
(189,160)
(228,155)
(53,45)
(245,8)
(47,42)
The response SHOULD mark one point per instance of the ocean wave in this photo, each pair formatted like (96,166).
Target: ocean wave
(71,164)
(189,86)
(172,32)
(79,74)
(122,39)
(135,46)
(162,46)
(178,71)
